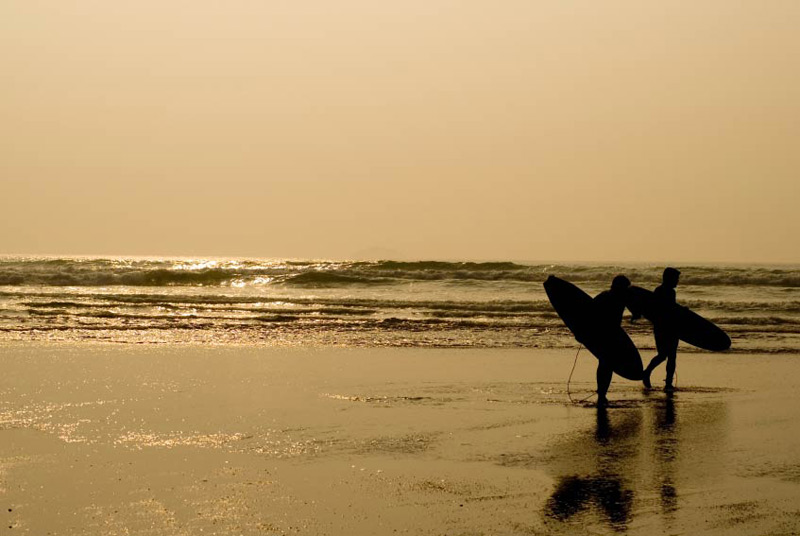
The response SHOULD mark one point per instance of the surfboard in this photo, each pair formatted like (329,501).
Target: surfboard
(692,327)
(606,342)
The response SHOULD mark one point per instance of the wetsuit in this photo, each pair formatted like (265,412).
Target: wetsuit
(610,305)
(666,333)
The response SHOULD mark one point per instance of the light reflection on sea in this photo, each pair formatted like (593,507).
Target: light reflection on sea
(352,303)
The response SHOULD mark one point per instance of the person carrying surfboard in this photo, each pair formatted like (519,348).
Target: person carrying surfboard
(665,329)
(596,325)
(610,304)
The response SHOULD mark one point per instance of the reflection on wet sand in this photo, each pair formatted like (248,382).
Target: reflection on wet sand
(666,452)
(604,488)
(631,463)
(574,494)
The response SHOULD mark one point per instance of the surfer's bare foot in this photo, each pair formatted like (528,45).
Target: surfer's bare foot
(646,380)
(602,402)
(669,388)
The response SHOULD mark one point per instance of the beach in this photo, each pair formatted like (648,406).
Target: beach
(347,268)
(190,439)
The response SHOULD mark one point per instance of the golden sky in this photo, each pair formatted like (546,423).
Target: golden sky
(525,130)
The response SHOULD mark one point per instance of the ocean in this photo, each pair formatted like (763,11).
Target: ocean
(276,302)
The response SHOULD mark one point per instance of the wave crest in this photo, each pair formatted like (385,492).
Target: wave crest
(157,273)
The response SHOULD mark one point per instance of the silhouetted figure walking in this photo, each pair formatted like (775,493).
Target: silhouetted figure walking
(610,304)
(665,329)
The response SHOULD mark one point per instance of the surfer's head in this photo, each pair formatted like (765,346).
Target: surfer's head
(670,277)
(620,283)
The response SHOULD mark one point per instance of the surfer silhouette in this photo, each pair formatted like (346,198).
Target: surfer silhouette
(610,304)
(664,329)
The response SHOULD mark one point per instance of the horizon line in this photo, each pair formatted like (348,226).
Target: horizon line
(400,258)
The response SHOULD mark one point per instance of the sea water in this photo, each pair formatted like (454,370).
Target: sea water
(364,303)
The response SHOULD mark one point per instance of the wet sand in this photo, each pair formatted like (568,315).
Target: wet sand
(103,439)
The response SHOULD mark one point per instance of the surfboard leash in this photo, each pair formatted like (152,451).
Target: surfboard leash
(569,394)
(571,371)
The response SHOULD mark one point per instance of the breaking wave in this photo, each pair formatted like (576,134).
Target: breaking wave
(321,274)
(357,303)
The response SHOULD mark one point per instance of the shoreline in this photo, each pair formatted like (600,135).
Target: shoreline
(109,439)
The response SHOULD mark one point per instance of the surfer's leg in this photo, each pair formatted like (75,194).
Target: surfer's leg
(604,373)
(656,361)
(670,373)
(663,347)
(672,359)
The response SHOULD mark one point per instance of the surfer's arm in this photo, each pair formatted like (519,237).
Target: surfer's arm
(634,308)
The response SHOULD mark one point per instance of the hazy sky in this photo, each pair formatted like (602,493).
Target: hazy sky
(573,130)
